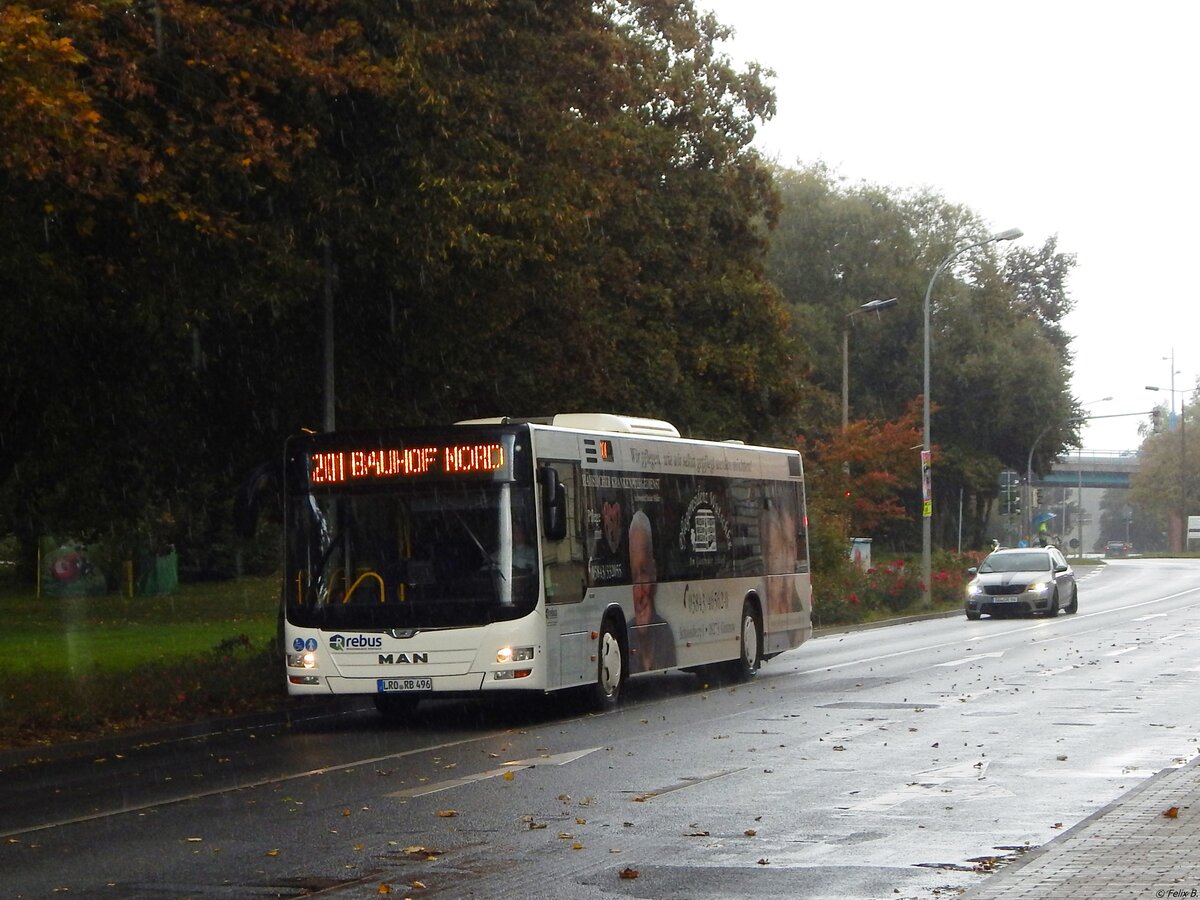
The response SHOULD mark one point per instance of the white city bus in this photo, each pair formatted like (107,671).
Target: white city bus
(537,555)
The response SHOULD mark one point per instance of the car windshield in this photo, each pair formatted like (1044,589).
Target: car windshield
(1016,562)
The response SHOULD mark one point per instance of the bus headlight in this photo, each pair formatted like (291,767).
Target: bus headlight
(306,660)
(514,654)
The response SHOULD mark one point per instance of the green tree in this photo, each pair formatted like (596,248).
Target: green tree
(1168,470)
(1000,368)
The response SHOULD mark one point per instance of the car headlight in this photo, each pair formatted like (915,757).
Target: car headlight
(975,589)
(1039,587)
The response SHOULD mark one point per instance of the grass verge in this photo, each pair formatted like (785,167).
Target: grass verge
(86,667)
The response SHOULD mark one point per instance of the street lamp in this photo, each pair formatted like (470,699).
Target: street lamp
(1183,516)
(927,448)
(870,306)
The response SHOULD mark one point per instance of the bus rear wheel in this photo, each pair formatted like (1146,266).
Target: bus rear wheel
(610,669)
(746,666)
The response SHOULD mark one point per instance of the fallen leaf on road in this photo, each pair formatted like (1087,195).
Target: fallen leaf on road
(696,834)
(272,853)
(509,776)
(629,873)
(1172,813)
(447,813)
(749,832)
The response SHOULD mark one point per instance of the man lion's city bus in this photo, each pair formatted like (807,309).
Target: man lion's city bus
(536,555)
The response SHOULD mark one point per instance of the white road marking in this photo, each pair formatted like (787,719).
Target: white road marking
(560,759)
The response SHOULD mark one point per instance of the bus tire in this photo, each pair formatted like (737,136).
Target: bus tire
(610,668)
(395,707)
(750,645)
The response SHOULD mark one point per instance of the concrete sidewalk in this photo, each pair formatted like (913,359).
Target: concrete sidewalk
(1128,849)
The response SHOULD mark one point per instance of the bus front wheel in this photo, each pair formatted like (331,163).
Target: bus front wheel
(749,658)
(610,669)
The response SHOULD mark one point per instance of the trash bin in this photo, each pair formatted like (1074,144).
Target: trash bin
(860,552)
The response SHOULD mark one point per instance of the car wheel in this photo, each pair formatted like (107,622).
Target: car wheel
(973,616)
(1073,606)
(1053,610)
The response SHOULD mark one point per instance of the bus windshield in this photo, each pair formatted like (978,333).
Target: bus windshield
(429,556)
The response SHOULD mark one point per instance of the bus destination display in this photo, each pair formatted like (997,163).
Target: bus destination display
(336,467)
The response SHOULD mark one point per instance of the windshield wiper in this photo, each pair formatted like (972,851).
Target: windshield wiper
(488,560)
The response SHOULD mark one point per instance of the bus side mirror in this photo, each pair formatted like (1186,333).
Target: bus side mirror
(554,504)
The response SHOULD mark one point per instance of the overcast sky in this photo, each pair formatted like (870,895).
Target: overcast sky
(1057,117)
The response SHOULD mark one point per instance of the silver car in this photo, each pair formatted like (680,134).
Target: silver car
(1022,581)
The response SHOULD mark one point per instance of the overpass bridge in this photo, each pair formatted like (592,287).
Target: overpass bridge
(1090,469)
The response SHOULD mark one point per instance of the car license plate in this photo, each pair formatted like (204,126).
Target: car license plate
(399,685)
(1005,600)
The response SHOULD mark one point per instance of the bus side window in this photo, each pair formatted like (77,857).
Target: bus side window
(563,558)
(554,504)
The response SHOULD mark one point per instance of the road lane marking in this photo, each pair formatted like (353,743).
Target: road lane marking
(250,785)
(976,637)
(560,759)
(967,659)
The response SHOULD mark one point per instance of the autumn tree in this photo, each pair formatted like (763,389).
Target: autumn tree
(509,208)
(859,479)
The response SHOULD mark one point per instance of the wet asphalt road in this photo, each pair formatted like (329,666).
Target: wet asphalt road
(904,761)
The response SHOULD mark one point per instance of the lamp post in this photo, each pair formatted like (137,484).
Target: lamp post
(870,306)
(1183,516)
(926,446)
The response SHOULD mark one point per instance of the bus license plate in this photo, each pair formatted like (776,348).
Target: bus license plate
(390,685)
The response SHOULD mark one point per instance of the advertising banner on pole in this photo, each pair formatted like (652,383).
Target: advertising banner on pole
(926,484)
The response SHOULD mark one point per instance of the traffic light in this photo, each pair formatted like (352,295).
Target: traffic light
(1010,493)
(1156,420)
(1037,496)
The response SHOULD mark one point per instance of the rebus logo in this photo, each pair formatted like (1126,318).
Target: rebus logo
(355,642)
